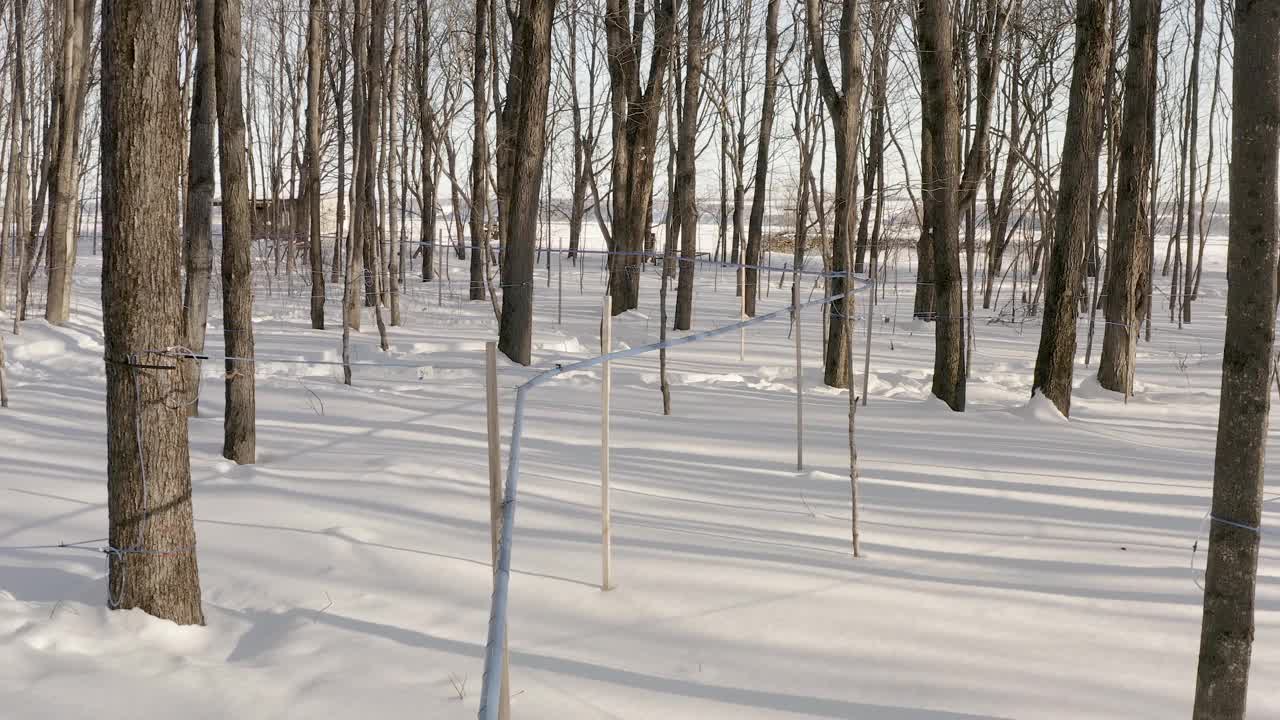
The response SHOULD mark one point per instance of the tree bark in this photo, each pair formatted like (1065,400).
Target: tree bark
(686,200)
(73,80)
(479,149)
(1063,275)
(153,567)
(843,107)
(197,228)
(315,19)
(525,118)
(239,426)
(1127,265)
(1226,635)
(942,120)
(635,127)
(755,230)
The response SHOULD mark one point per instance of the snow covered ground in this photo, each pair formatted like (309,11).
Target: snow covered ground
(1017,565)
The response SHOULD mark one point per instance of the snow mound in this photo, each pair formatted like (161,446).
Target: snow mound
(1040,409)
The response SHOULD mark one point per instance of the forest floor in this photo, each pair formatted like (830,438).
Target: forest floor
(1016,564)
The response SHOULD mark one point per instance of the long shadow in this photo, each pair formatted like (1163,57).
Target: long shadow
(744,697)
(384,546)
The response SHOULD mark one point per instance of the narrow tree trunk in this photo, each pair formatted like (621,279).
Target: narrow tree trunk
(760,193)
(369,140)
(197,226)
(479,149)
(77,25)
(1226,636)
(153,567)
(686,201)
(843,107)
(312,193)
(239,426)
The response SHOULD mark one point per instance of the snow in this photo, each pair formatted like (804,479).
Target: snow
(1017,564)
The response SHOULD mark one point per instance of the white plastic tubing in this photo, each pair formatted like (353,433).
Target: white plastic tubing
(491,685)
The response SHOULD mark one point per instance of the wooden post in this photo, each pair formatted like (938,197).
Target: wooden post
(440,280)
(795,316)
(606,534)
(560,284)
(742,315)
(495,497)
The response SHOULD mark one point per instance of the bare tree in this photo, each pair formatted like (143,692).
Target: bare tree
(1063,274)
(843,106)
(73,83)
(759,199)
(153,563)
(239,426)
(636,104)
(524,119)
(1248,362)
(479,149)
(197,227)
(940,171)
(1127,266)
(315,33)
(686,202)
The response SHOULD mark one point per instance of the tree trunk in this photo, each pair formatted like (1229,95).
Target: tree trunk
(525,118)
(239,433)
(312,192)
(479,149)
(369,140)
(635,107)
(1127,264)
(686,200)
(755,230)
(77,27)
(393,245)
(843,107)
(197,227)
(429,171)
(941,199)
(1226,635)
(1063,276)
(153,564)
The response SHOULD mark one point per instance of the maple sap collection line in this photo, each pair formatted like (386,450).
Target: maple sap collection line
(495,663)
